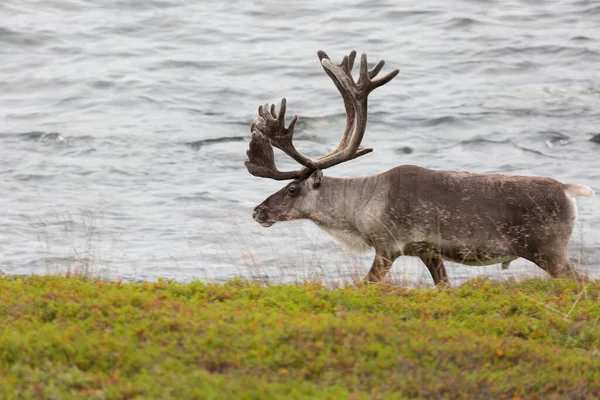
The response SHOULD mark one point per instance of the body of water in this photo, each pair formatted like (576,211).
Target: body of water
(124,124)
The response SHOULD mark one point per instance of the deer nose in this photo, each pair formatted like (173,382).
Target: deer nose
(257,211)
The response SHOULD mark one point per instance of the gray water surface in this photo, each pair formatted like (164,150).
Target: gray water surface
(124,124)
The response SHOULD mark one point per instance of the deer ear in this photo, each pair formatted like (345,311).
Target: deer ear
(315,179)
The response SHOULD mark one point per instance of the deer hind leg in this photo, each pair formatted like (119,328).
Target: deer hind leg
(380,268)
(436,268)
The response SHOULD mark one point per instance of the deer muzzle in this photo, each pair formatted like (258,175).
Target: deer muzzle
(260,215)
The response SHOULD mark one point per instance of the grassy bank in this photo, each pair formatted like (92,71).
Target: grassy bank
(74,338)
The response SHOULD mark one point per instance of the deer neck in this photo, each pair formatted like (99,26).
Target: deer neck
(339,206)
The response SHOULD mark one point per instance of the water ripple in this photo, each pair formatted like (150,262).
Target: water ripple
(136,115)
(198,144)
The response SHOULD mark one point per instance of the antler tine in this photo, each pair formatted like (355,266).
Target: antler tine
(351,58)
(261,160)
(373,72)
(280,136)
(346,66)
(364,69)
(366,76)
(347,62)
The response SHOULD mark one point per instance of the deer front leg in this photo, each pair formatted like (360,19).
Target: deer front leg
(381,266)
(436,268)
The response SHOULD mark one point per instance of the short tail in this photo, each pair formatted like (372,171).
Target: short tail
(575,190)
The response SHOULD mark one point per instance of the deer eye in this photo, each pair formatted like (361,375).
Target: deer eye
(292,191)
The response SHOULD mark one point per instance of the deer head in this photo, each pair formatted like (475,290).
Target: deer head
(268,130)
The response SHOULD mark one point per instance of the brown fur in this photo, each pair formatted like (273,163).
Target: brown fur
(473,219)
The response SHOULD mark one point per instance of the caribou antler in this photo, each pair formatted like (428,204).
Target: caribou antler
(261,160)
(355,94)
(271,125)
(268,130)
(346,68)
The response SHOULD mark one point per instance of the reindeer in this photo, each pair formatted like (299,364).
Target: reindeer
(467,218)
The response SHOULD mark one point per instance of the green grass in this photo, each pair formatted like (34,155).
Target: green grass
(68,338)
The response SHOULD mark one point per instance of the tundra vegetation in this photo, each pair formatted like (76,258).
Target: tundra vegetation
(72,337)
